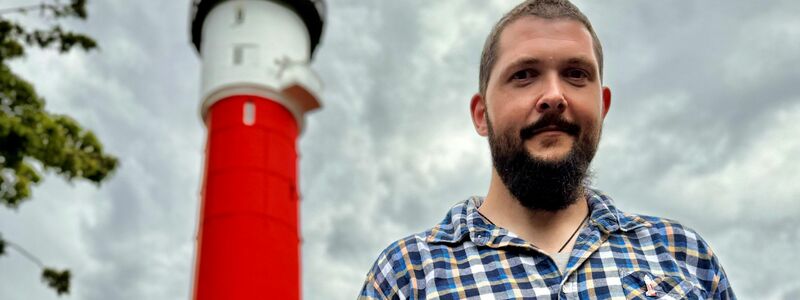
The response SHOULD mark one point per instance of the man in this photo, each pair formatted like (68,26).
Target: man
(541,232)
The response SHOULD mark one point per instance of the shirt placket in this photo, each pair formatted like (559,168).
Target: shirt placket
(586,245)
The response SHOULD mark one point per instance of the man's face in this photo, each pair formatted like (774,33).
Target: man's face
(543,108)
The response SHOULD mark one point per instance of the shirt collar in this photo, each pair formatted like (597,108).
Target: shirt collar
(608,218)
(458,222)
(463,220)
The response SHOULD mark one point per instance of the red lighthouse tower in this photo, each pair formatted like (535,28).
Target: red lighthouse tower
(256,88)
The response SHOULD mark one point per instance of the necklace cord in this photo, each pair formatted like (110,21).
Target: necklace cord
(565,244)
(573,234)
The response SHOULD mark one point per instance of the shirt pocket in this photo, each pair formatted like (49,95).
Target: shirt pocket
(634,284)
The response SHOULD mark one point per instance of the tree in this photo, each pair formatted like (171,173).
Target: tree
(33,140)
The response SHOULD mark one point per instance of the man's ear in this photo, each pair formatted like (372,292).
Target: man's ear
(606,100)
(477,108)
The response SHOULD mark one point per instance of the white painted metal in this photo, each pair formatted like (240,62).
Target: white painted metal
(258,47)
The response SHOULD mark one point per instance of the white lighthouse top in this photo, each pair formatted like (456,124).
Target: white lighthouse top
(258,47)
(311,11)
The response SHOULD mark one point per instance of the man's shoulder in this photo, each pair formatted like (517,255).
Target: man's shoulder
(406,248)
(675,235)
(673,232)
(682,243)
(412,249)
(401,263)
(676,231)
(663,225)
(665,241)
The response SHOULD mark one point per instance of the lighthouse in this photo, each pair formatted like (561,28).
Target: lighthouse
(256,87)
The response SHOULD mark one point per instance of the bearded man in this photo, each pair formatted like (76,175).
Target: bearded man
(540,232)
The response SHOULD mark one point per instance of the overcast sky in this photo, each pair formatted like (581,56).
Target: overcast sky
(702,129)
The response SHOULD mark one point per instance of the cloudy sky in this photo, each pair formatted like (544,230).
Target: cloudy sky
(701,129)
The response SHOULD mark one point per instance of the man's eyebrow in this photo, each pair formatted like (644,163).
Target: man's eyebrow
(521,62)
(581,61)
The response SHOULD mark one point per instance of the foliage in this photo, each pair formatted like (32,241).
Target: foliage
(58,280)
(33,140)
(27,131)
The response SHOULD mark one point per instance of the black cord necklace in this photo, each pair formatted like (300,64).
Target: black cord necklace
(573,233)
(565,243)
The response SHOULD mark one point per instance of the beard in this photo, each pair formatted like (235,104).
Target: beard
(541,184)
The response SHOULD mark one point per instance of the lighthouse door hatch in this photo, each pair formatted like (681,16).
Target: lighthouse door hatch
(245,55)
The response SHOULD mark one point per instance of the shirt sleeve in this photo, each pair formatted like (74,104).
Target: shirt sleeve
(708,263)
(381,280)
(723,287)
(696,256)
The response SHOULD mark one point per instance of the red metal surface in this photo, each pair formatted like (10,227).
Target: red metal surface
(248,241)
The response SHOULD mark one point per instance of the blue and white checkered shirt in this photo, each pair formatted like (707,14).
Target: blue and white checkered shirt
(616,256)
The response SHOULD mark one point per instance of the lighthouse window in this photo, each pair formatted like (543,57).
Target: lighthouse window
(249,114)
(239,16)
(245,54)
(238,52)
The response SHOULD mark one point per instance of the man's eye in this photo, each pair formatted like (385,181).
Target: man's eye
(576,74)
(523,75)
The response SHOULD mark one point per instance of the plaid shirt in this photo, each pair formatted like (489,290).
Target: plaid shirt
(617,255)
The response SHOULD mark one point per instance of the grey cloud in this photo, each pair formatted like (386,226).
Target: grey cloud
(702,94)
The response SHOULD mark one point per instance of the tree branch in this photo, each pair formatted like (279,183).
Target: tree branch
(59,280)
(23,9)
(75,8)
(25,253)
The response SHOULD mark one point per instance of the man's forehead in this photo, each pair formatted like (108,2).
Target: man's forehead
(532,29)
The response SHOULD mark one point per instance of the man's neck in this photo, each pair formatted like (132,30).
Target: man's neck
(546,230)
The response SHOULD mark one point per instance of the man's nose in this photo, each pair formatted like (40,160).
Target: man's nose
(552,97)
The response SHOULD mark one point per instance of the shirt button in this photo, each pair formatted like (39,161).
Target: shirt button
(568,287)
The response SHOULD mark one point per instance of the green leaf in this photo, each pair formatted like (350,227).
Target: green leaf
(58,280)
(79,8)
(10,44)
(29,133)
(33,140)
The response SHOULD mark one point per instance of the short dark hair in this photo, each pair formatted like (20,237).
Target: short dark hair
(547,9)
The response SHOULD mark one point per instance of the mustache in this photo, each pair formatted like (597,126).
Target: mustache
(553,119)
